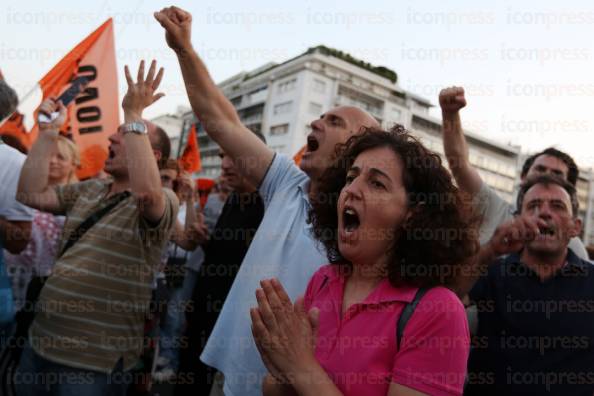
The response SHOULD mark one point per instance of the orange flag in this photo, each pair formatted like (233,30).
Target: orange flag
(204,187)
(297,157)
(190,159)
(14,126)
(94,115)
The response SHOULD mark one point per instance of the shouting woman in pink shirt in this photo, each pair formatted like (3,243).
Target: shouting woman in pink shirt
(381,318)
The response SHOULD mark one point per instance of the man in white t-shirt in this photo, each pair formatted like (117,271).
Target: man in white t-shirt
(15,218)
(494,209)
(283,246)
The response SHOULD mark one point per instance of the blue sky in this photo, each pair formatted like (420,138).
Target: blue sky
(527,67)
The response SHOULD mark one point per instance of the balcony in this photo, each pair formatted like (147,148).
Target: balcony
(249,100)
(252,119)
(341,100)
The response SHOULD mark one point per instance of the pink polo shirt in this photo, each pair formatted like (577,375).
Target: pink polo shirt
(358,351)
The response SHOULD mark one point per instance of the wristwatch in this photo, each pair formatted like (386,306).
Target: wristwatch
(135,127)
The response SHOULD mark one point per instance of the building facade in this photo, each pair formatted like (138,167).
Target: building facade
(281,100)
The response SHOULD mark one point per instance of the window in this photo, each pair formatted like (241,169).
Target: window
(236,101)
(315,108)
(319,86)
(279,129)
(287,85)
(283,108)
(396,113)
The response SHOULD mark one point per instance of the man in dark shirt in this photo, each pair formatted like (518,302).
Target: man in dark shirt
(536,306)
(223,254)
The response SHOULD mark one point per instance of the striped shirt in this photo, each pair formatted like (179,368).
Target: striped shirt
(91,310)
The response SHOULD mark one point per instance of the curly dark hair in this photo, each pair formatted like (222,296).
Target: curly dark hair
(439,238)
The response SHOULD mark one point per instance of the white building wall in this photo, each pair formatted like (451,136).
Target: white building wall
(287,101)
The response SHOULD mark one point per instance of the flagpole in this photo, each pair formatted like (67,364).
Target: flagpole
(184,131)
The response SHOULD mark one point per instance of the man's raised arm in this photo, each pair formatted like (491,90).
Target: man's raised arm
(213,109)
(145,181)
(452,100)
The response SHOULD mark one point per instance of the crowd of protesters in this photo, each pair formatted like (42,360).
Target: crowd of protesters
(355,272)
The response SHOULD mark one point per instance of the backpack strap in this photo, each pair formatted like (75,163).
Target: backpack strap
(407,313)
(90,221)
(324,282)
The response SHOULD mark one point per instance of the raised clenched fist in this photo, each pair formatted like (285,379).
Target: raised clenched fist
(452,99)
(178,26)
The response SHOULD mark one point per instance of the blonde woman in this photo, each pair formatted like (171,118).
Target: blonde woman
(30,268)
(64,162)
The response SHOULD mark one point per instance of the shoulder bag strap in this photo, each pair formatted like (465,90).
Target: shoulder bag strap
(91,221)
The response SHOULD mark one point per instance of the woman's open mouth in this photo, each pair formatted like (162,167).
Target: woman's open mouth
(350,220)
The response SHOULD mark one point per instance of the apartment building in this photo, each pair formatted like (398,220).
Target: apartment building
(280,100)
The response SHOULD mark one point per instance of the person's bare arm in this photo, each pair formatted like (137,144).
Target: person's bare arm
(508,238)
(194,232)
(189,237)
(185,187)
(33,189)
(143,172)
(15,235)
(452,100)
(213,109)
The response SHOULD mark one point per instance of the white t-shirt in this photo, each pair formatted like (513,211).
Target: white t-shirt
(283,247)
(11,162)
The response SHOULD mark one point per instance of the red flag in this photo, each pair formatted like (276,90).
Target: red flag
(190,159)
(94,115)
(298,155)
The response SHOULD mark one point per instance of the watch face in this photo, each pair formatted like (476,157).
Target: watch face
(136,127)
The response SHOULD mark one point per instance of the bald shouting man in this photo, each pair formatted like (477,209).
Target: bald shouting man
(282,247)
